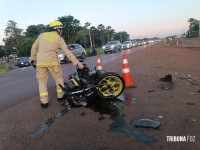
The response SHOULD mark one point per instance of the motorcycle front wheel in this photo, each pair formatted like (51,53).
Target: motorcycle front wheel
(111,85)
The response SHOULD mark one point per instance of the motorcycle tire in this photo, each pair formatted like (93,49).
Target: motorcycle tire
(111,85)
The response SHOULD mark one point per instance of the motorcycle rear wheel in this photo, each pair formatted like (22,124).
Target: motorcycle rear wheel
(111,85)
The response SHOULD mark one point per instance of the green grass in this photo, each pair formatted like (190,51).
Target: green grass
(3,69)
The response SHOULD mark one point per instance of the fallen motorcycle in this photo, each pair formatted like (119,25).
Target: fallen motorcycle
(85,82)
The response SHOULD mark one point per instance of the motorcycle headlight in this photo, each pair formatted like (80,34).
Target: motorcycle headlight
(103,47)
(112,46)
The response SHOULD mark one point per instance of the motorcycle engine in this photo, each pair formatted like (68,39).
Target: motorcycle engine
(73,85)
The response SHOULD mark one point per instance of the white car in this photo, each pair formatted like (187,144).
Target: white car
(127,45)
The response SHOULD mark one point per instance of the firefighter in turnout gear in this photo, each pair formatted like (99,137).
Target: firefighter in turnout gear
(44,55)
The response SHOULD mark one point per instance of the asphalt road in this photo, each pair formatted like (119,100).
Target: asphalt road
(20,84)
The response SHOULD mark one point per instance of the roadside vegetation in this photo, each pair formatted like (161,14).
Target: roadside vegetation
(3,69)
(19,41)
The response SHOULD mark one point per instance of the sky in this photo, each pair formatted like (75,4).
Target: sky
(139,18)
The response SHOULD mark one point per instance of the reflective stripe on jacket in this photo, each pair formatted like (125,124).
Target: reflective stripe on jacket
(46,64)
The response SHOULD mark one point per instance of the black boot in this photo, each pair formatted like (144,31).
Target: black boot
(45,105)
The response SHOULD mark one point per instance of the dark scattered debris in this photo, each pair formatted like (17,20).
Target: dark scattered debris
(101,117)
(159,67)
(151,90)
(190,103)
(83,113)
(146,123)
(167,82)
(167,78)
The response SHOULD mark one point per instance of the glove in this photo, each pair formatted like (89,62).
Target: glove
(33,63)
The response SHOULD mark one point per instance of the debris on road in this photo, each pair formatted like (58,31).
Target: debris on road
(148,123)
(151,90)
(160,117)
(167,82)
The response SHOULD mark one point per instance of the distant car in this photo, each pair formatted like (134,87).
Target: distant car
(112,47)
(22,62)
(127,45)
(144,42)
(139,43)
(76,49)
(134,43)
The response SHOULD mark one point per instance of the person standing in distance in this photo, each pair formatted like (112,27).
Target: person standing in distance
(44,56)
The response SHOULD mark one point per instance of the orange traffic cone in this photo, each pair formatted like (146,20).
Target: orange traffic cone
(126,74)
(99,65)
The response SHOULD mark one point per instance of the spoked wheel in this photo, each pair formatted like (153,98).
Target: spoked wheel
(111,85)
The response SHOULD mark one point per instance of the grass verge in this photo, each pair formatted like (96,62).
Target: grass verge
(3,69)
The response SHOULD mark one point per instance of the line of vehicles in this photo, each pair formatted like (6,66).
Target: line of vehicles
(80,52)
(114,46)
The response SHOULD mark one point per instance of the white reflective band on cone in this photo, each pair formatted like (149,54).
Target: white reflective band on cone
(125,61)
(127,70)
(98,60)
(99,67)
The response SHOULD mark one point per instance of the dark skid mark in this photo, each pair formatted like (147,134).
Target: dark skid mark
(48,123)
(104,106)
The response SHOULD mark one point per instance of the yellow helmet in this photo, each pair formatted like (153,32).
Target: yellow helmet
(56,25)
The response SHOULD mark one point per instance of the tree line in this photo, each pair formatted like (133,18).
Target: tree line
(88,36)
(193,30)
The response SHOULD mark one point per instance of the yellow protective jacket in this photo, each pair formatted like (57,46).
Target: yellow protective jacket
(45,48)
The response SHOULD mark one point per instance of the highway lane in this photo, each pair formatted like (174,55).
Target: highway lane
(20,84)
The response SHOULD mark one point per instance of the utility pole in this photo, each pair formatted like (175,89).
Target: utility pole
(90,39)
